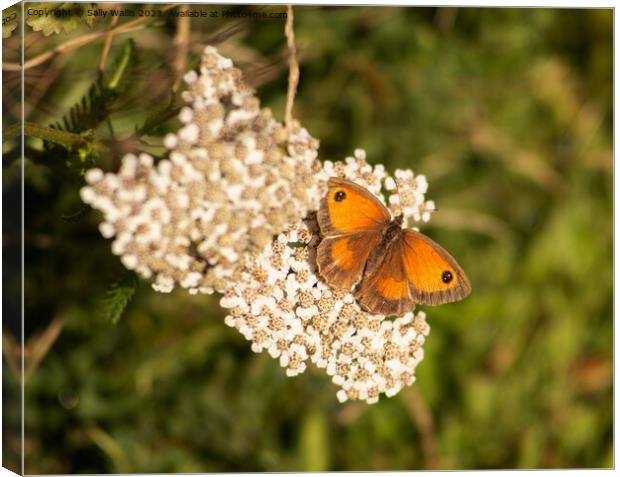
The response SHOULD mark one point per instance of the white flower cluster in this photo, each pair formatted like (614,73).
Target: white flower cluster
(281,305)
(205,219)
(234,179)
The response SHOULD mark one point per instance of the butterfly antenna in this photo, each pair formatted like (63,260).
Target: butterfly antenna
(398,210)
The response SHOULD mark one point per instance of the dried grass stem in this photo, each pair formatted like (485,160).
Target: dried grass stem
(293,72)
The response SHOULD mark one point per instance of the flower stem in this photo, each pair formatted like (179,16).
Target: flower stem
(62,138)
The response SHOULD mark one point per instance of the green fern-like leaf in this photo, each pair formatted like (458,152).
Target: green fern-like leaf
(93,109)
(89,112)
(118,297)
(10,20)
(155,121)
(55,18)
(82,119)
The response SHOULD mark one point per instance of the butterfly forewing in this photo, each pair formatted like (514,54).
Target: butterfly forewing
(341,259)
(349,208)
(434,275)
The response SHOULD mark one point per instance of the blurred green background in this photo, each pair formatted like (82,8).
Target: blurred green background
(508,112)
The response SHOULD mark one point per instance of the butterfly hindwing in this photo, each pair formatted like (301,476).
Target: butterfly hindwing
(433,274)
(349,208)
(385,289)
(341,259)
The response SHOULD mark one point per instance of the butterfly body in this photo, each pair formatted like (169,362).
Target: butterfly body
(392,230)
(389,234)
(391,267)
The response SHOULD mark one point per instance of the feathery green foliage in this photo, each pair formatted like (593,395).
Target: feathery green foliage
(93,109)
(118,297)
(58,17)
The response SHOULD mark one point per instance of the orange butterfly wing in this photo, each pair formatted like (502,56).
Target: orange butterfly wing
(348,208)
(341,259)
(433,274)
(351,220)
(385,289)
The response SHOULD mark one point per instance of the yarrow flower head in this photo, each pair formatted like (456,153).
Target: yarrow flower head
(234,178)
(232,208)
(282,306)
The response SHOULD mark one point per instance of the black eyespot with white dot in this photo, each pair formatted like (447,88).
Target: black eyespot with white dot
(446,277)
(339,196)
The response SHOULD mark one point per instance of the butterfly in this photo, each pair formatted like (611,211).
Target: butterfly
(393,268)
